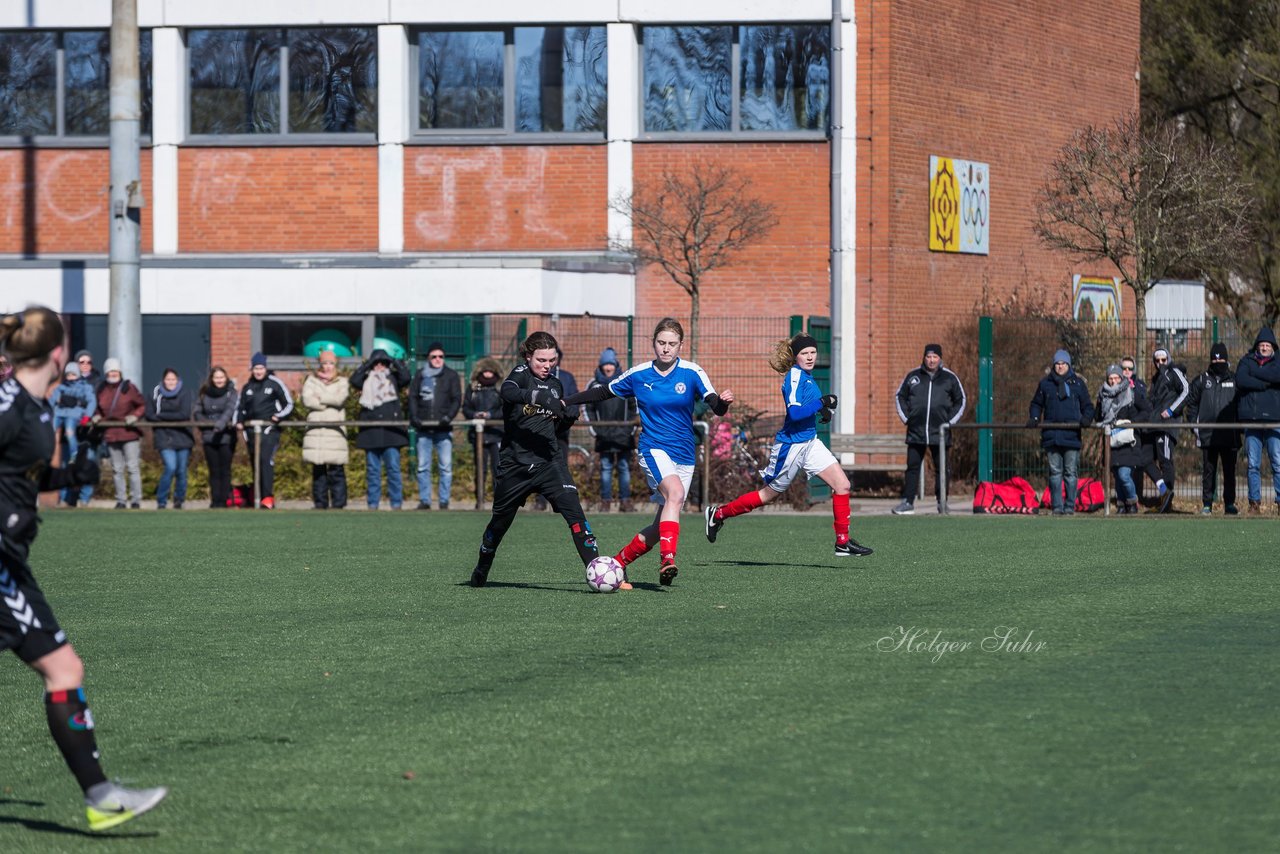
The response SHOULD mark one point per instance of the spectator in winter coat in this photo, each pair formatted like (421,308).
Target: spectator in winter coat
(1121,402)
(324,394)
(1213,399)
(1130,368)
(483,400)
(613,444)
(1168,393)
(379,381)
(171,401)
(120,400)
(217,402)
(929,396)
(1062,398)
(73,400)
(1258,386)
(267,400)
(434,399)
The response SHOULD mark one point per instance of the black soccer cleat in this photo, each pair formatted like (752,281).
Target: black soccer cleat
(479,577)
(667,574)
(713,526)
(852,549)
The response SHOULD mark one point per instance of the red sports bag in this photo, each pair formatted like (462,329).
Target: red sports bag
(1015,495)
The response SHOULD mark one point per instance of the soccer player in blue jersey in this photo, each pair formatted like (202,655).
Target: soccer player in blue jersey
(797,446)
(665,390)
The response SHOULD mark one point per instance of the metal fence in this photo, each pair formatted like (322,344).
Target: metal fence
(1015,353)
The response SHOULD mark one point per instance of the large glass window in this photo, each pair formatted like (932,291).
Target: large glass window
(555,78)
(31,64)
(750,78)
(327,77)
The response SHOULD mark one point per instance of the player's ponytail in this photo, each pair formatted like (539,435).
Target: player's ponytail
(783,358)
(28,337)
(538,341)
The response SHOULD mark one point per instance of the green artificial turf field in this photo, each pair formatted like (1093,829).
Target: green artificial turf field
(323,682)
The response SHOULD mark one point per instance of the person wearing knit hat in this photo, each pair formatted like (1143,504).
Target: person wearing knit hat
(1168,392)
(613,444)
(1258,384)
(265,399)
(84,360)
(1213,400)
(928,397)
(797,451)
(112,365)
(1062,399)
(72,401)
(1121,403)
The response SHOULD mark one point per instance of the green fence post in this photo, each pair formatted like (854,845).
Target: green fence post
(413,365)
(631,322)
(1215,330)
(986,396)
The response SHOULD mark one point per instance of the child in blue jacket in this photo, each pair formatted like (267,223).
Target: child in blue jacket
(73,400)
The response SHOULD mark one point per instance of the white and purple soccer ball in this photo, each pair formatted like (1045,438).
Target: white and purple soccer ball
(605,574)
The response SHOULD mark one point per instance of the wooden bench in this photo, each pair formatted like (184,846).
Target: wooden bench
(878,445)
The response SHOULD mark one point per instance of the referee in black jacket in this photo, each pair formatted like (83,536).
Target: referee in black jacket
(529,460)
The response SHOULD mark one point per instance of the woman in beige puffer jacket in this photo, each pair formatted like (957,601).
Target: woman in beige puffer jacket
(324,394)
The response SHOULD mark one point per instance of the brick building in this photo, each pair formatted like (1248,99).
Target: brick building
(321,167)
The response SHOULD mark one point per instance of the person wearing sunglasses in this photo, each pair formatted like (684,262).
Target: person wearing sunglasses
(1168,394)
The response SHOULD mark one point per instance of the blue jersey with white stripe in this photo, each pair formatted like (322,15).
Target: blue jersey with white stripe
(666,406)
(802,399)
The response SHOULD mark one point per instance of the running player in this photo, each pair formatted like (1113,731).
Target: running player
(665,390)
(32,341)
(529,459)
(797,446)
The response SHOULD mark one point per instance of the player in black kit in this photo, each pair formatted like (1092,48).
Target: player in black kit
(529,460)
(32,342)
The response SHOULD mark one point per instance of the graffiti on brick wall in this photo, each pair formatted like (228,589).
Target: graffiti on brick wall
(219,179)
(71,206)
(501,197)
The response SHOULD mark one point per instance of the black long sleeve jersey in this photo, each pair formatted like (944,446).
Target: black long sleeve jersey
(529,427)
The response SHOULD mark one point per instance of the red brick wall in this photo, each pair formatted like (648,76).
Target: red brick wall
(54,201)
(320,199)
(997,81)
(489,198)
(229,344)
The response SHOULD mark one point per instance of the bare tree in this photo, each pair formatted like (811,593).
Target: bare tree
(1153,202)
(691,223)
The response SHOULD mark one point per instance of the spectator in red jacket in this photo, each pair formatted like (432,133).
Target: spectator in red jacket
(120,400)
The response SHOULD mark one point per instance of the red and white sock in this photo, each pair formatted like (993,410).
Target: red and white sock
(744,503)
(668,541)
(632,550)
(840,512)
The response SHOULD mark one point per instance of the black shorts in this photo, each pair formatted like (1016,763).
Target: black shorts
(27,624)
(515,483)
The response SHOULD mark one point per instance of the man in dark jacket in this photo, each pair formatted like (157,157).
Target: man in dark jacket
(1168,394)
(379,380)
(1062,398)
(930,396)
(613,444)
(1213,400)
(1258,387)
(264,399)
(434,399)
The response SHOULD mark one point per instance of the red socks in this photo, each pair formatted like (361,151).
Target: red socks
(632,550)
(840,510)
(668,541)
(745,503)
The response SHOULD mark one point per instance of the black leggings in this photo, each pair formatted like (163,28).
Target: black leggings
(551,481)
(218,460)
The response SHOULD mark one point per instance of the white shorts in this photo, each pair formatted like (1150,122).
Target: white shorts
(787,459)
(658,465)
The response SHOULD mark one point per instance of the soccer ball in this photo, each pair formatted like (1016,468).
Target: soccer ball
(604,574)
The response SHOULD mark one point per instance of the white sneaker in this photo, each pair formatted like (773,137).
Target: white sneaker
(906,508)
(115,804)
